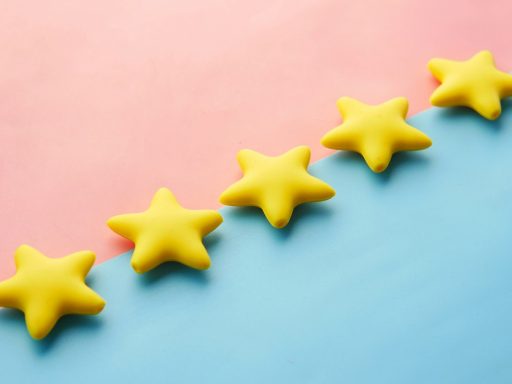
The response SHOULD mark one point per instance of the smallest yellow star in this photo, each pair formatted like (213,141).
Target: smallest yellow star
(167,232)
(474,83)
(276,184)
(375,131)
(46,289)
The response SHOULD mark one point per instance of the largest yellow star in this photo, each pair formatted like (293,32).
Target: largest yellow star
(276,184)
(475,83)
(375,131)
(46,289)
(167,232)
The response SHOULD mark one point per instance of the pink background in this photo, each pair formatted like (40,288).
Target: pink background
(102,102)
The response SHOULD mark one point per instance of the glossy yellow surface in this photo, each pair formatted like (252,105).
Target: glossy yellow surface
(167,232)
(375,131)
(474,83)
(276,184)
(46,289)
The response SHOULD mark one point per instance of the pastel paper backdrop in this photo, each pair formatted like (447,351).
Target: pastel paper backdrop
(102,102)
(404,278)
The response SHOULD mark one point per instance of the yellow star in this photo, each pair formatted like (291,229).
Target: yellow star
(167,232)
(276,184)
(375,131)
(475,83)
(46,289)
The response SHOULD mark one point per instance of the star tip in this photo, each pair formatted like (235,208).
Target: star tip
(431,64)
(379,168)
(242,153)
(280,223)
(493,115)
(227,198)
(223,199)
(434,100)
(23,246)
(219,219)
(401,99)
(100,306)
(163,193)
(137,268)
(326,141)
(206,264)
(215,219)
(303,148)
(110,221)
(343,99)
(38,334)
(484,52)
(163,190)
(114,222)
(485,56)
(90,255)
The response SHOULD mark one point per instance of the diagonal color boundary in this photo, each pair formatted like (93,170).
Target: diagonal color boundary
(402,277)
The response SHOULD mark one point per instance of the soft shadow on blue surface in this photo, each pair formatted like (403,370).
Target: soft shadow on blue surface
(311,211)
(459,115)
(65,327)
(418,160)
(172,270)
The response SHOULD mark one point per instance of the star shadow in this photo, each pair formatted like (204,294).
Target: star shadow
(169,269)
(399,162)
(465,113)
(506,105)
(65,327)
(300,213)
(254,214)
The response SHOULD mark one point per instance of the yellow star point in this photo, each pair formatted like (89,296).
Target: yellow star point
(375,131)
(167,232)
(45,289)
(475,83)
(276,184)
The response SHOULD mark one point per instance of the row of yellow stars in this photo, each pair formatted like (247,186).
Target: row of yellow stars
(46,288)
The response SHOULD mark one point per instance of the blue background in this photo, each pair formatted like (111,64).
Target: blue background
(403,277)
